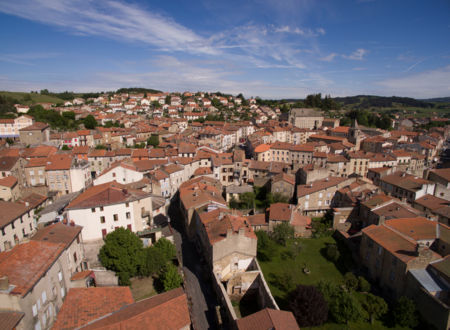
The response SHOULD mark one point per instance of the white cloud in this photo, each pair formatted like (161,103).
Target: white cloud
(329,58)
(26,58)
(112,19)
(357,55)
(432,83)
(305,32)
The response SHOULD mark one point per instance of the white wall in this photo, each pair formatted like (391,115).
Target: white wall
(120,174)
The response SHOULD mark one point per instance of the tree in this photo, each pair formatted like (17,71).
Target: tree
(90,122)
(404,313)
(154,260)
(122,253)
(167,248)
(265,248)
(351,282)
(65,147)
(70,115)
(308,306)
(363,284)
(170,277)
(168,99)
(247,199)
(375,306)
(282,233)
(332,253)
(153,141)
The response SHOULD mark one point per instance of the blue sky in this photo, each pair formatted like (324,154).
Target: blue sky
(266,48)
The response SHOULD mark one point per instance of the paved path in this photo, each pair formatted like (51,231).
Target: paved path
(198,289)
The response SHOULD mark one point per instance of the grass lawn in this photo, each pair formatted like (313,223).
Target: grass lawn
(142,288)
(310,256)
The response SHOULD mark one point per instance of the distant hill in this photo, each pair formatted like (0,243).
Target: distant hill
(438,100)
(138,90)
(30,98)
(368,101)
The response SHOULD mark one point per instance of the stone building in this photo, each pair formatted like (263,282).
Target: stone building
(36,133)
(305,118)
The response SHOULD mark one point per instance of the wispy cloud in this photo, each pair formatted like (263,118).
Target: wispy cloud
(305,32)
(357,55)
(26,58)
(432,83)
(329,57)
(111,19)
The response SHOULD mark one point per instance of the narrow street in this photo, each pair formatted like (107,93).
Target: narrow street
(198,287)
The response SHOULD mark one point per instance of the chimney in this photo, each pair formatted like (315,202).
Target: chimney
(4,283)
(381,220)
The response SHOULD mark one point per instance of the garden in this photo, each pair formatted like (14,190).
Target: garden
(313,277)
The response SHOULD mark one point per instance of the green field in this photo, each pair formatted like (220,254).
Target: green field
(24,98)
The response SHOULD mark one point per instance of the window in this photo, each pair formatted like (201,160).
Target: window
(101,208)
(127,204)
(37,325)
(103,233)
(128,214)
(75,256)
(63,292)
(93,210)
(102,219)
(38,302)
(380,249)
(116,217)
(60,276)
(114,175)
(44,297)
(34,309)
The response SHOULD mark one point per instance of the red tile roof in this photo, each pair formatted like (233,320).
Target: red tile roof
(83,305)
(27,263)
(268,319)
(9,181)
(167,310)
(106,194)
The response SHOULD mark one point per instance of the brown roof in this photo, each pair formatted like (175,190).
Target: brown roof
(11,211)
(217,229)
(268,319)
(167,310)
(432,202)
(257,219)
(7,162)
(58,233)
(9,319)
(83,305)
(443,173)
(376,200)
(280,212)
(284,177)
(58,162)
(9,181)
(82,275)
(37,126)
(306,189)
(415,228)
(396,210)
(405,181)
(26,263)
(106,194)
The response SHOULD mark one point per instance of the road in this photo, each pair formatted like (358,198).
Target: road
(198,289)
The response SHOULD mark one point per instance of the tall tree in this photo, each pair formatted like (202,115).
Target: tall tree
(122,253)
(90,122)
(308,306)
(170,277)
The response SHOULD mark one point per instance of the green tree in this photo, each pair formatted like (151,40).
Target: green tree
(153,261)
(247,199)
(65,147)
(90,122)
(168,99)
(265,246)
(170,277)
(167,248)
(308,306)
(375,306)
(363,284)
(282,233)
(122,253)
(351,282)
(153,141)
(70,115)
(404,313)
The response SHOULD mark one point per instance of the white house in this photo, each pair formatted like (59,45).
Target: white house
(122,172)
(103,208)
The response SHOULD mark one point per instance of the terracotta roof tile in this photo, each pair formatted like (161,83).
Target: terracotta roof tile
(26,263)
(268,319)
(83,305)
(9,181)
(167,310)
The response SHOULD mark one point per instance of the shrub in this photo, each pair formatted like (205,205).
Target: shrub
(350,280)
(363,284)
